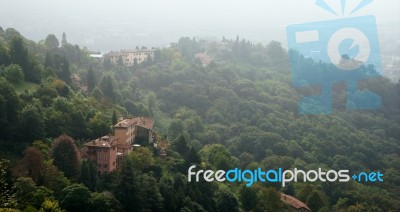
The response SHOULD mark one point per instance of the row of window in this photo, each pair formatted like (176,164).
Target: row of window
(102,165)
(99,157)
(104,149)
(105,165)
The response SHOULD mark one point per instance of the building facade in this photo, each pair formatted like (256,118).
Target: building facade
(103,151)
(136,130)
(108,151)
(129,57)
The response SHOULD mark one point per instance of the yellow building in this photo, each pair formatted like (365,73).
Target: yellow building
(140,55)
(129,56)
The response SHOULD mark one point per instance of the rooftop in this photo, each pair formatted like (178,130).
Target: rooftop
(105,141)
(144,122)
(295,203)
(137,50)
(114,54)
(205,59)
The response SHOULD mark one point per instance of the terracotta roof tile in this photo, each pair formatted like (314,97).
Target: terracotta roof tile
(105,141)
(144,122)
(292,201)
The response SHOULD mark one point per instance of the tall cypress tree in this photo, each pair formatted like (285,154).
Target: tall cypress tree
(91,80)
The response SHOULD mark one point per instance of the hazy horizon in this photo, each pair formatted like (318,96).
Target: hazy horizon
(106,25)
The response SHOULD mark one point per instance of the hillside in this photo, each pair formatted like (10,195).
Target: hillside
(237,108)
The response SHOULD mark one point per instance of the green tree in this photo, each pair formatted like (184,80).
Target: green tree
(20,55)
(51,41)
(28,194)
(107,86)
(114,119)
(104,202)
(88,174)
(275,52)
(64,40)
(49,205)
(60,64)
(142,158)
(97,93)
(32,123)
(150,197)
(64,72)
(66,156)
(7,189)
(217,155)
(192,157)
(157,56)
(273,199)
(314,201)
(180,145)
(75,197)
(127,187)
(10,106)
(248,197)
(19,52)
(13,73)
(152,102)
(226,200)
(99,125)
(91,80)
(175,128)
(4,55)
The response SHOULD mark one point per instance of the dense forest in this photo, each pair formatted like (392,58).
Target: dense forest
(238,111)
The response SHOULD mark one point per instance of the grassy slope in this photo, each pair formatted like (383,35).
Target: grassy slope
(25,86)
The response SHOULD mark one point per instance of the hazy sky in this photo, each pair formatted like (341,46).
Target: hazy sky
(106,25)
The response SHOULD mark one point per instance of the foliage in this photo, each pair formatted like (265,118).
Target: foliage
(28,194)
(13,73)
(32,165)
(239,111)
(75,197)
(88,174)
(50,206)
(104,202)
(7,196)
(51,41)
(142,158)
(66,156)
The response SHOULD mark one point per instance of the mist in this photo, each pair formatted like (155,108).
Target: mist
(113,25)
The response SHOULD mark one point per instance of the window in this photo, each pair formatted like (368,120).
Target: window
(104,165)
(105,157)
(105,172)
(114,163)
(99,165)
(98,157)
(104,150)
